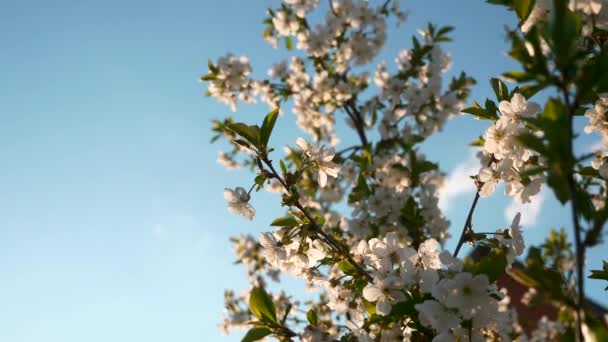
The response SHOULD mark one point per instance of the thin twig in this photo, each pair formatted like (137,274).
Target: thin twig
(358,122)
(467,224)
(315,227)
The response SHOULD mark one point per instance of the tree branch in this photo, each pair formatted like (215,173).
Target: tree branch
(580,247)
(355,116)
(317,229)
(467,225)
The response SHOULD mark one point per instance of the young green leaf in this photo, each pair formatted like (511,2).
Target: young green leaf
(288,43)
(346,267)
(285,221)
(267,126)
(312,316)
(249,133)
(600,274)
(256,334)
(261,305)
(480,113)
(500,89)
(523,8)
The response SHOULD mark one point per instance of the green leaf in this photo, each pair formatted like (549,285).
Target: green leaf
(500,2)
(535,170)
(261,305)
(249,133)
(404,309)
(480,112)
(208,77)
(518,76)
(492,265)
(312,316)
(563,30)
(589,171)
(360,191)
(283,168)
(559,185)
(370,307)
(267,126)
(288,43)
(522,277)
(212,67)
(532,142)
(425,166)
(530,90)
(346,267)
(597,328)
(260,179)
(285,221)
(242,143)
(523,8)
(500,89)
(600,274)
(256,334)
(479,142)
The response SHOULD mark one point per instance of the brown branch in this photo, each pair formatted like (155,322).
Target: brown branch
(580,247)
(317,229)
(467,225)
(355,116)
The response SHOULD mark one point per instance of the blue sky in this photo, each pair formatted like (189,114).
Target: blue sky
(112,221)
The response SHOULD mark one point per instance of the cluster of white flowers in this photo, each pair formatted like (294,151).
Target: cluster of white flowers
(351,32)
(248,252)
(546,330)
(598,121)
(595,13)
(226,161)
(390,193)
(290,257)
(387,255)
(505,158)
(237,316)
(459,299)
(419,100)
(229,80)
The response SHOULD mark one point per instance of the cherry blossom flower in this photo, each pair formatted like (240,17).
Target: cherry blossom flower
(600,163)
(384,293)
(321,157)
(518,107)
(428,251)
(466,293)
(517,239)
(433,314)
(597,116)
(272,250)
(224,160)
(238,202)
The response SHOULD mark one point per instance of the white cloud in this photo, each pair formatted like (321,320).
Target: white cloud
(458,182)
(529,212)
